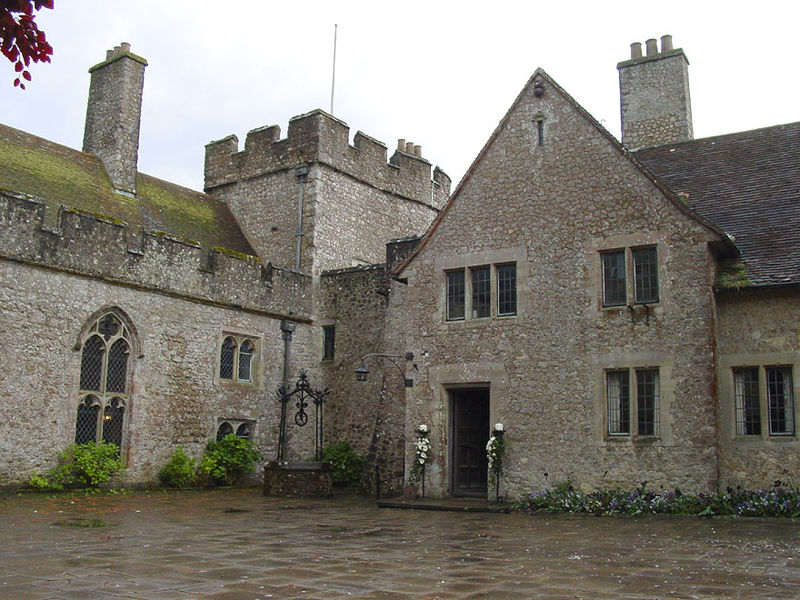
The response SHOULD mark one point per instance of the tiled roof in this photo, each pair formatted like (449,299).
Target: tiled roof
(59,175)
(747,184)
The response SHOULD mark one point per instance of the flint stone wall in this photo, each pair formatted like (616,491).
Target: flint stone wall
(51,283)
(757,328)
(551,212)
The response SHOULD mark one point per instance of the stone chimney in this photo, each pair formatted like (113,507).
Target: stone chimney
(654,96)
(113,113)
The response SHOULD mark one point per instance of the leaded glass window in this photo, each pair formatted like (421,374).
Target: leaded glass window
(226,358)
(243,431)
(92,363)
(224,429)
(113,416)
(245,360)
(481,292)
(614,278)
(86,424)
(455,295)
(748,405)
(618,402)
(507,290)
(645,275)
(236,358)
(647,401)
(780,400)
(105,372)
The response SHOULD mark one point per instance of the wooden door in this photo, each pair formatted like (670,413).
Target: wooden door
(470,432)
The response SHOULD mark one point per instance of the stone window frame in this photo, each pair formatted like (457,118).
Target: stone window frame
(505,296)
(624,421)
(467,265)
(463,278)
(107,405)
(631,363)
(633,278)
(328,342)
(735,403)
(239,339)
(595,247)
(242,428)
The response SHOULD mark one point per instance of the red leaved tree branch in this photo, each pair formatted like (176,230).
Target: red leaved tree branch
(21,40)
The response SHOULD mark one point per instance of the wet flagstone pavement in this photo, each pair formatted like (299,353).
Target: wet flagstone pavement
(236,544)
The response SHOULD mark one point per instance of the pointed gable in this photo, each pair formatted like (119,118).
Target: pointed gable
(548,149)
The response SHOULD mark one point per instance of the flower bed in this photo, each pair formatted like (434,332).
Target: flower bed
(778,501)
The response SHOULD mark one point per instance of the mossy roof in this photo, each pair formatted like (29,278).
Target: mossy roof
(58,175)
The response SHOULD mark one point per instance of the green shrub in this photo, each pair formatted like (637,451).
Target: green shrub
(346,463)
(179,471)
(227,460)
(82,465)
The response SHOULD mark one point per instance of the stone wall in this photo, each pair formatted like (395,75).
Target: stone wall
(369,415)
(93,246)
(654,97)
(112,115)
(757,328)
(548,209)
(180,303)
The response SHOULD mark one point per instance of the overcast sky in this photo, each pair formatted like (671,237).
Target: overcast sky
(441,74)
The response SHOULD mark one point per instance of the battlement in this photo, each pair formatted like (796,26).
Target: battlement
(318,137)
(105,249)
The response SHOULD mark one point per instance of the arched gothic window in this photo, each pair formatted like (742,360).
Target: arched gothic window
(236,358)
(104,381)
(224,429)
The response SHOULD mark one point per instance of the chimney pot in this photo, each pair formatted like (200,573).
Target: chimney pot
(410,147)
(666,43)
(418,150)
(652,47)
(401,145)
(636,50)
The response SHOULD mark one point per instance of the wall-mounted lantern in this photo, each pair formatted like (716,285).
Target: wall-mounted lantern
(362,372)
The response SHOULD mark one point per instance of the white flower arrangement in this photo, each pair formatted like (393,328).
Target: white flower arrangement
(422,453)
(495,451)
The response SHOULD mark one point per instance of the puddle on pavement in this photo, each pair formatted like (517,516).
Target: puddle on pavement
(81,522)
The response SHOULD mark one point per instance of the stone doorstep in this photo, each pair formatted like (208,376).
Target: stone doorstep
(478,505)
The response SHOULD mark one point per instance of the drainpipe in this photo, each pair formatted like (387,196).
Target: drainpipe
(287,327)
(301,173)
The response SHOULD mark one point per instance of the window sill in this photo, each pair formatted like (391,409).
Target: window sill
(480,320)
(761,439)
(236,382)
(633,440)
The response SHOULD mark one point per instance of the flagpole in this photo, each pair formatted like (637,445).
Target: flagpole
(333,77)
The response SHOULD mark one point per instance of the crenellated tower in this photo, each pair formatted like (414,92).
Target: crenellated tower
(313,202)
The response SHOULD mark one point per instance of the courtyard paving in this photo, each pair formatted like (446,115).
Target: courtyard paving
(236,544)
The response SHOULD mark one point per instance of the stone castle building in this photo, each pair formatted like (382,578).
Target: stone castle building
(627,310)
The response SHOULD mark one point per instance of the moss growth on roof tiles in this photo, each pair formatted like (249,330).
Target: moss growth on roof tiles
(98,216)
(732,275)
(56,178)
(235,254)
(63,176)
